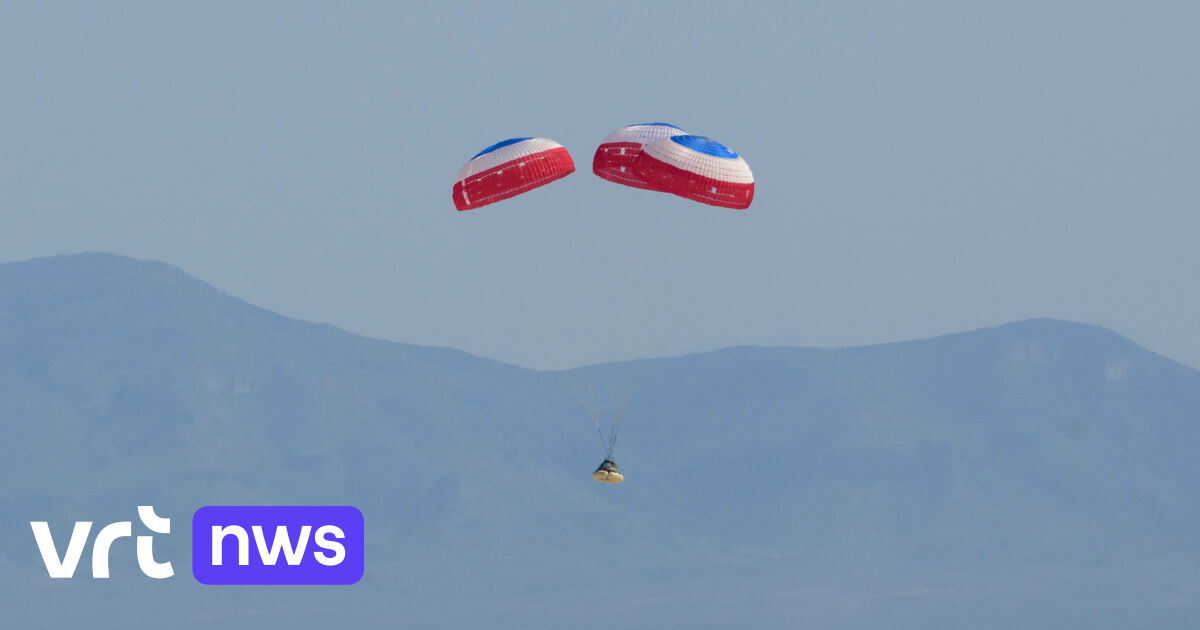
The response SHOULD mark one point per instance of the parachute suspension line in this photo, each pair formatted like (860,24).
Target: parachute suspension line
(618,418)
(619,412)
(606,444)
(589,403)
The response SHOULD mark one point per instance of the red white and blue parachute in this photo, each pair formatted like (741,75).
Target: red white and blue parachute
(509,168)
(697,168)
(616,157)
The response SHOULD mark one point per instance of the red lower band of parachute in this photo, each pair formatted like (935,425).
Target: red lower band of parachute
(667,178)
(616,163)
(512,178)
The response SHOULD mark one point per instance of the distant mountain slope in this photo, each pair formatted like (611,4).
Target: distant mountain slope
(1015,472)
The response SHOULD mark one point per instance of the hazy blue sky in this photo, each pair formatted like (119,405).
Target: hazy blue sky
(921,167)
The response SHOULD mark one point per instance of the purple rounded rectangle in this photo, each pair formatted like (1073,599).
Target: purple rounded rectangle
(257,544)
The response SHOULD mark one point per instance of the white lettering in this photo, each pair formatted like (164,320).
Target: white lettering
(338,549)
(64,568)
(281,541)
(104,541)
(145,544)
(219,533)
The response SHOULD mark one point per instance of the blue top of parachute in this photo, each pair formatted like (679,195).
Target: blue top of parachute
(705,145)
(657,124)
(498,145)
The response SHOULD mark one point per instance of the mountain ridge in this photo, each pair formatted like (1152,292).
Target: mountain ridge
(164,274)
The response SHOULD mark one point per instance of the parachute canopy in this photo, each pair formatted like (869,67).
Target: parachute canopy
(616,157)
(697,168)
(509,168)
(608,473)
